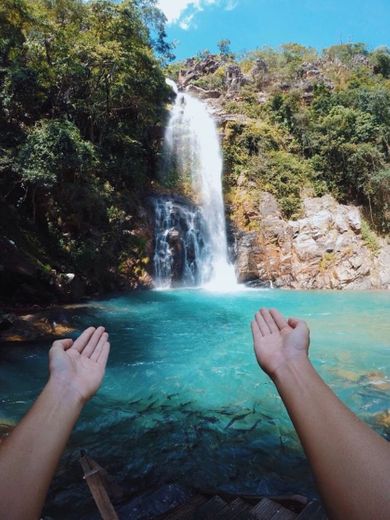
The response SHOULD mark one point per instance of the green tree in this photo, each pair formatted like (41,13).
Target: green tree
(52,151)
(380,59)
(346,52)
(224,48)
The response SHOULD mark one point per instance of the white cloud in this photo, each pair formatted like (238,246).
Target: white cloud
(174,9)
(231,4)
(182,12)
(186,21)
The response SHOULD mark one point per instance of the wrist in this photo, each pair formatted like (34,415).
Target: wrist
(292,370)
(65,391)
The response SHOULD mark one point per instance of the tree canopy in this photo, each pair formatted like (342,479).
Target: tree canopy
(82,95)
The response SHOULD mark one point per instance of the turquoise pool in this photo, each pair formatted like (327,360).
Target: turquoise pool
(184,400)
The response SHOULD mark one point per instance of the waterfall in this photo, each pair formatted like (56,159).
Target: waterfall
(193,150)
(181,252)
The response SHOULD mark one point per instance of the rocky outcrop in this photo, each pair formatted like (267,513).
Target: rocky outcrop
(322,250)
(234,79)
(259,68)
(194,68)
(203,93)
(37,326)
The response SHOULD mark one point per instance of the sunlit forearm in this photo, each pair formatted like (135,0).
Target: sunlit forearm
(29,457)
(351,463)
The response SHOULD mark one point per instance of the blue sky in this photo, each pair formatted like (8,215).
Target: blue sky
(196,25)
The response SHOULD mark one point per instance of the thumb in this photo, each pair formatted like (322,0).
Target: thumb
(297,324)
(62,344)
(293,322)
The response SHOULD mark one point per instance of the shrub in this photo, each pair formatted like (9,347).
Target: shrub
(369,237)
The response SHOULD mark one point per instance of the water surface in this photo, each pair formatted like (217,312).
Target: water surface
(183,399)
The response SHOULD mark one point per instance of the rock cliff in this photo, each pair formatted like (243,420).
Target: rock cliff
(325,249)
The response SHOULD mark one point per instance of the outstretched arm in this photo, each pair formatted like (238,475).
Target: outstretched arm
(29,457)
(351,463)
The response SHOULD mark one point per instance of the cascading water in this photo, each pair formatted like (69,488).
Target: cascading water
(192,146)
(181,250)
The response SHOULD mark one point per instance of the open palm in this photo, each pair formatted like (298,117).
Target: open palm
(277,340)
(81,364)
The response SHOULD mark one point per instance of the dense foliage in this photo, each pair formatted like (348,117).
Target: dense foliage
(82,94)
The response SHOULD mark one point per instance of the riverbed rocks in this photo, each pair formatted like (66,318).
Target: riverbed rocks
(324,249)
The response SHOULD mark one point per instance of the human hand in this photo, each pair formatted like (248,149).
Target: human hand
(277,341)
(80,365)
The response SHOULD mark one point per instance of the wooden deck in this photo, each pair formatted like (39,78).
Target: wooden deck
(201,507)
(206,505)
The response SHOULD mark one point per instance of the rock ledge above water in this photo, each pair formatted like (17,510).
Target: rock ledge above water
(322,250)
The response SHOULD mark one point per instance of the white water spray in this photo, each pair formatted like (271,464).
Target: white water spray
(192,140)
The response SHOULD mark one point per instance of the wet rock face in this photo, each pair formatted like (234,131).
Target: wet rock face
(322,250)
(179,240)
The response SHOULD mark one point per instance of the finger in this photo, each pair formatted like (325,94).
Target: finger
(103,356)
(264,329)
(83,339)
(293,322)
(93,342)
(279,319)
(91,347)
(96,353)
(63,344)
(269,320)
(256,332)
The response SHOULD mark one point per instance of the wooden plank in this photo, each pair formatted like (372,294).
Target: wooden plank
(266,509)
(239,510)
(210,509)
(284,514)
(232,510)
(186,511)
(313,511)
(94,479)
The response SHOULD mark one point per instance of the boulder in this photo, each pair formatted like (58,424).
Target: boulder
(248,255)
(321,250)
(203,93)
(234,78)
(260,67)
